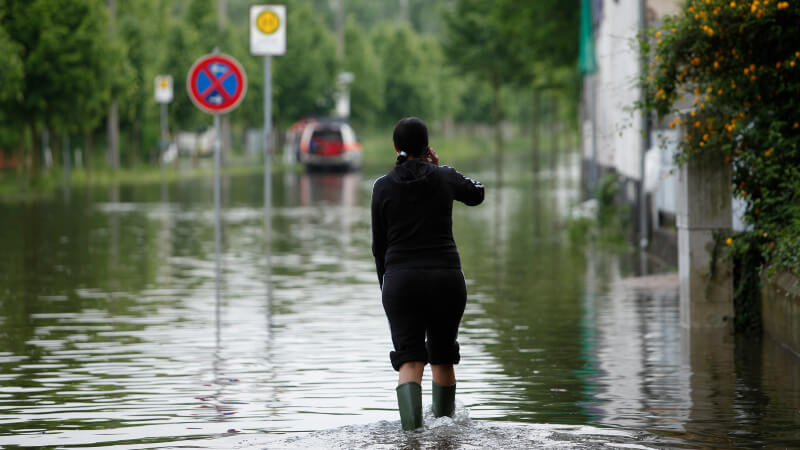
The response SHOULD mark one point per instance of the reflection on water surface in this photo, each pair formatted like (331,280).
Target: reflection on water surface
(110,331)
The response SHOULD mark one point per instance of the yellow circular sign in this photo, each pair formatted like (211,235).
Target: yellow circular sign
(268,22)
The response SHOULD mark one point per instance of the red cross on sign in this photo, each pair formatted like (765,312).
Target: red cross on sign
(216,83)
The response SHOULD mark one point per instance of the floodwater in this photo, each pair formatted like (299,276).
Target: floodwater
(116,331)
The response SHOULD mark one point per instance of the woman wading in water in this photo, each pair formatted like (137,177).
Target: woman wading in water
(419,269)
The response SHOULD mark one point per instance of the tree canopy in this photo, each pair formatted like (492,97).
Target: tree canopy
(64,60)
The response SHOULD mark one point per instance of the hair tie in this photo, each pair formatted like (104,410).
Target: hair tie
(401,157)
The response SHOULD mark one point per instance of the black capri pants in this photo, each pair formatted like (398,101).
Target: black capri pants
(420,303)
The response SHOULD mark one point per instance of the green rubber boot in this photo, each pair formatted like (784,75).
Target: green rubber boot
(409,401)
(444,400)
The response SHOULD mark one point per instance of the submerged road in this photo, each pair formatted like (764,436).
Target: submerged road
(112,333)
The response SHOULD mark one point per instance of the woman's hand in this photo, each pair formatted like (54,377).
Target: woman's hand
(432,156)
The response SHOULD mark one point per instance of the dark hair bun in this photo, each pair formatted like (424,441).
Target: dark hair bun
(411,136)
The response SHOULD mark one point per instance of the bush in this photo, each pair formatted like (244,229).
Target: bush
(740,63)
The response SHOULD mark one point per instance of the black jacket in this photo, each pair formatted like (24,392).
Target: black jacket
(412,216)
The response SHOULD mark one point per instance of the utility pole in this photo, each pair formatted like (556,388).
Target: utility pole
(113,112)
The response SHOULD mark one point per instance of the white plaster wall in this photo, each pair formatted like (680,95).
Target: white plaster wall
(660,8)
(618,127)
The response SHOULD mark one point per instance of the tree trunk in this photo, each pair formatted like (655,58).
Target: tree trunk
(554,122)
(66,157)
(536,109)
(497,117)
(113,135)
(113,112)
(21,153)
(35,158)
(88,143)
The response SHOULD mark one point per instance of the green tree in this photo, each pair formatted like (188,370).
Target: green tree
(12,75)
(477,42)
(180,54)
(367,92)
(11,83)
(142,26)
(304,77)
(410,86)
(66,56)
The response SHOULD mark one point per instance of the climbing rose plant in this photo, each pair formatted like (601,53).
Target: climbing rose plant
(728,75)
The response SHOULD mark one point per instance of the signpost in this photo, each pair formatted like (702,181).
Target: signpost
(164,95)
(216,84)
(267,38)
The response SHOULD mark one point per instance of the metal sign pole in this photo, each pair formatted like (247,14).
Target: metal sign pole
(217,214)
(163,131)
(268,186)
(163,150)
(267,133)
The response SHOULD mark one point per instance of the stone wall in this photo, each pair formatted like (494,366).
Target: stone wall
(780,309)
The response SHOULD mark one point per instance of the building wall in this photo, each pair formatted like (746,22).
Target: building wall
(618,138)
(780,309)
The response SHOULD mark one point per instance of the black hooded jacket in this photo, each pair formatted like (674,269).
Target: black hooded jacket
(412,220)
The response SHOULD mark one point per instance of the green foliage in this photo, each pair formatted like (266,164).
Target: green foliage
(744,249)
(11,82)
(65,52)
(477,42)
(11,76)
(410,79)
(741,63)
(367,91)
(64,60)
(607,226)
(305,76)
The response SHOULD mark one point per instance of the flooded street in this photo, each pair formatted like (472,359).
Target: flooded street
(114,330)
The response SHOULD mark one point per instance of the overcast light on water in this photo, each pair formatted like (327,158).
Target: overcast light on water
(116,331)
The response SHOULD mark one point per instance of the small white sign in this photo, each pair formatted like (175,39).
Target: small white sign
(163,85)
(268,30)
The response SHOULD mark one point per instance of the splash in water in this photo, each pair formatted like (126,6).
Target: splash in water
(456,432)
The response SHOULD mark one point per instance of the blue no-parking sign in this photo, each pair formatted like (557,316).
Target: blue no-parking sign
(216,83)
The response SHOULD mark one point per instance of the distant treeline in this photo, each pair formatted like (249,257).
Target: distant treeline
(85,68)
